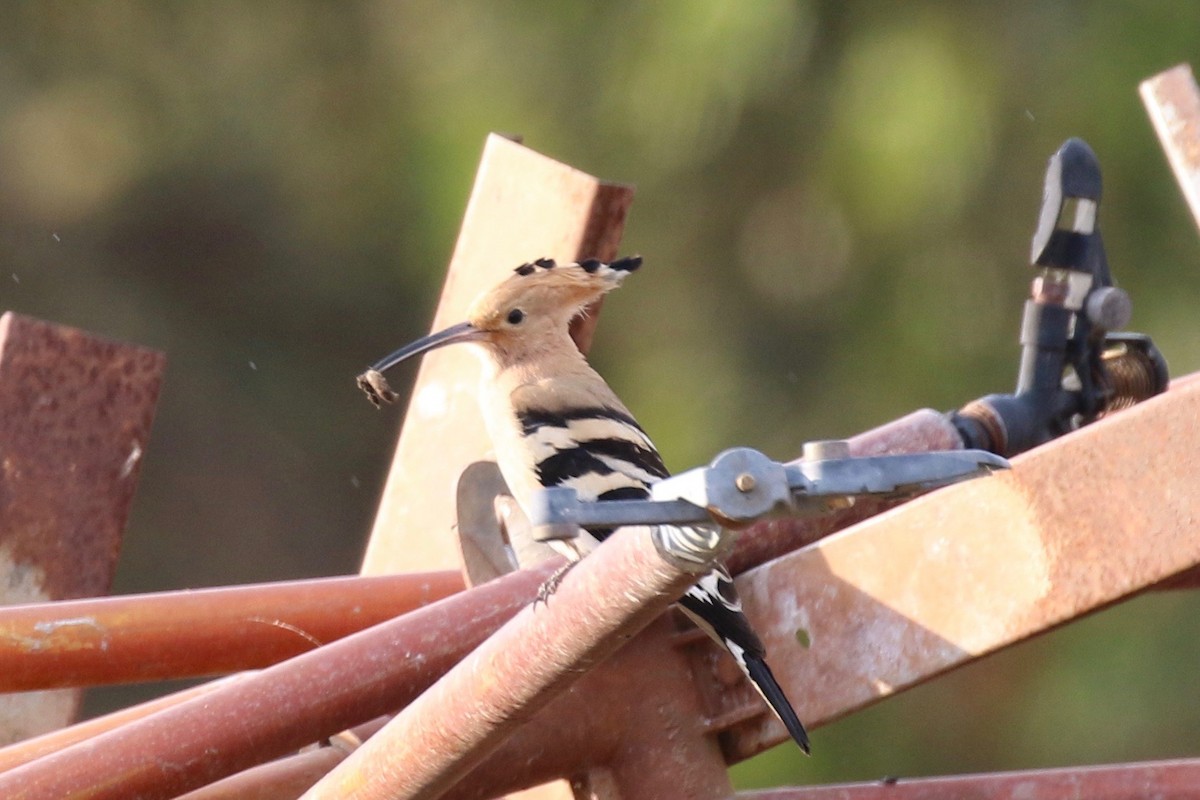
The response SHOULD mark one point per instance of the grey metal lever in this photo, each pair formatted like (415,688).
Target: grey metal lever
(742,485)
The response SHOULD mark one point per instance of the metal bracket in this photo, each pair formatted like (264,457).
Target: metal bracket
(742,485)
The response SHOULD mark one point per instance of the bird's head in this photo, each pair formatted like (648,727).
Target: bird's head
(520,318)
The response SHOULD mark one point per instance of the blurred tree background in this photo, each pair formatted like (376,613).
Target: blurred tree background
(835,202)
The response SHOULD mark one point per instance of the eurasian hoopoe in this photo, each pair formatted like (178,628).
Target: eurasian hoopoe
(553,421)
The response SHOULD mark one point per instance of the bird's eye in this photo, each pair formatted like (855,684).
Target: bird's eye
(515,316)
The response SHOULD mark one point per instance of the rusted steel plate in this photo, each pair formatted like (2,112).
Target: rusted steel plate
(271,713)
(75,416)
(523,206)
(1079,523)
(1173,102)
(1164,780)
(195,633)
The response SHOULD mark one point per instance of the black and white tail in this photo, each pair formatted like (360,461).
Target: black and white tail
(715,607)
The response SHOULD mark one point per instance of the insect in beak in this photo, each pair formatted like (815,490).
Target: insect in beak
(376,386)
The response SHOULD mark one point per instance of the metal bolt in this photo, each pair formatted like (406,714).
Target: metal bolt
(745,483)
(1109,308)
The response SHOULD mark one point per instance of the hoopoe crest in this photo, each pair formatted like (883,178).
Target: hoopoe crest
(554,421)
(523,318)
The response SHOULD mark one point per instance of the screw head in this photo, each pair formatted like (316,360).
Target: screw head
(745,482)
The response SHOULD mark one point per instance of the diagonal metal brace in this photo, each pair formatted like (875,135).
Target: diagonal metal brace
(742,485)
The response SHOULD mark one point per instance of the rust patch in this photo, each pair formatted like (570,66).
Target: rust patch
(75,415)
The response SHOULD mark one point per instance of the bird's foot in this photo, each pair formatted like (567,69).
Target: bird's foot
(550,586)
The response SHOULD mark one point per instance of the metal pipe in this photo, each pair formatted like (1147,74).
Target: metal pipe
(1164,779)
(641,722)
(195,633)
(278,710)
(286,778)
(615,592)
(31,749)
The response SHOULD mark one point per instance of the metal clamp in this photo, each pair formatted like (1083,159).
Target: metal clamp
(742,485)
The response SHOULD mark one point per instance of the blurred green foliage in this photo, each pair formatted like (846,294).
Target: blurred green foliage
(834,199)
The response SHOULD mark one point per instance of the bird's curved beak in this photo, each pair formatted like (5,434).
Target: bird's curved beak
(372,381)
(462,332)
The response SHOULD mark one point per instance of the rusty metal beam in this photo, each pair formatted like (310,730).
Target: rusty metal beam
(1177,780)
(523,206)
(1075,525)
(602,601)
(196,633)
(302,700)
(1173,102)
(75,416)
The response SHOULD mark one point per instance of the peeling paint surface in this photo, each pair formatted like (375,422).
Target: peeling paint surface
(27,714)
